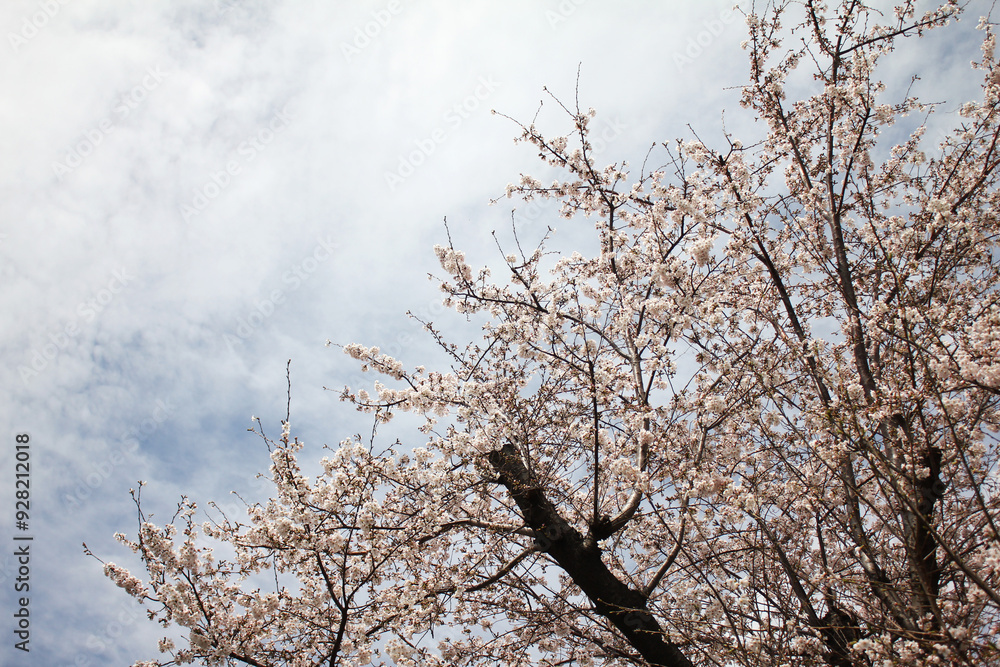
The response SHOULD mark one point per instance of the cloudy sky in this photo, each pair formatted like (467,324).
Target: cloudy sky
(197,191)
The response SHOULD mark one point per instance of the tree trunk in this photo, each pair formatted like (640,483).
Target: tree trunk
(580,557)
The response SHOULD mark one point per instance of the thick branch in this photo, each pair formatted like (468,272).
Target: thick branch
(580,558)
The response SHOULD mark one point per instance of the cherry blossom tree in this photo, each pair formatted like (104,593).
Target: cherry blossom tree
(757,427)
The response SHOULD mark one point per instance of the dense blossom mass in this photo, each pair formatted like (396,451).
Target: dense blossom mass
(758,426)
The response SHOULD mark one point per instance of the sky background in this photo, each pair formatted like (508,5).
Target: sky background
(195,192)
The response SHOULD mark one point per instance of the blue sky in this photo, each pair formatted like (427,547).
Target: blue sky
(197,192)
